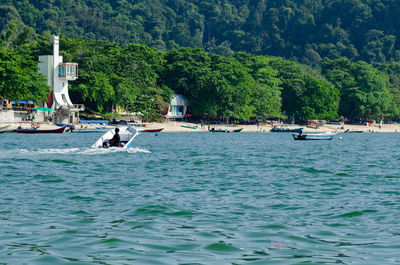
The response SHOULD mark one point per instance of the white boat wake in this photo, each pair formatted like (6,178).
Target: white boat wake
(85,151)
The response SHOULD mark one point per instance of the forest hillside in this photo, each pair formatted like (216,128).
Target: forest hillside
(305,31)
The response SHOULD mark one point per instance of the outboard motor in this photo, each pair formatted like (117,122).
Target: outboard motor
(106,144)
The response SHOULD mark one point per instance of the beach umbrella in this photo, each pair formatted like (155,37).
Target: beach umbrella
(44,109)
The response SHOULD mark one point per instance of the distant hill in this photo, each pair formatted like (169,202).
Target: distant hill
(301,30)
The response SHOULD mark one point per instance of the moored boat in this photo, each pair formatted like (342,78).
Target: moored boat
(189,127)
(151,130)
(36,130)
(64,125)
(226,130)
(284,128)
(5,128)
(69,127)
(314,136)
(126,133)
(90,129)
(353,131)
(334,123)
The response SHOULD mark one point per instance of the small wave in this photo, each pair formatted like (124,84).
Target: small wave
(356,213)
(86,151)
(314,170)
(139,150)
(81,198)
(221,247)
(342,174)
(62,161)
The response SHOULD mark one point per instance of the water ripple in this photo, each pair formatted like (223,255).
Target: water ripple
(200,199)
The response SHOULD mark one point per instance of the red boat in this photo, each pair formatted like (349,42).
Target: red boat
(151,130)
(36,130)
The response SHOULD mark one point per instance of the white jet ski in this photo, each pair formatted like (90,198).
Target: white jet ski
(126,133)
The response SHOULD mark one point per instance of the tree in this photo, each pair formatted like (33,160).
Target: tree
(393,72)
(234,90)
(266,91)
(19,77)
(214,85)
(320,100)
(364,89)
(187,71)
(292,84)
(112,76)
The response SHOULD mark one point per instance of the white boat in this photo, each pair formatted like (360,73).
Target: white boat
(91,129)
(325,132)
(315,136)
(126,133)
(4,128)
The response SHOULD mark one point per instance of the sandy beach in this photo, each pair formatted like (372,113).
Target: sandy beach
(172,126)
(179,126)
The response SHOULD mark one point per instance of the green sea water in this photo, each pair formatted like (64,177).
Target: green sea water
(200,198)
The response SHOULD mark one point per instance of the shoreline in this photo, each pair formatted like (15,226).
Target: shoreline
(171,126)
(176,126)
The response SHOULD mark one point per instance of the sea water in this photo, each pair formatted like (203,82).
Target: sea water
(200,198)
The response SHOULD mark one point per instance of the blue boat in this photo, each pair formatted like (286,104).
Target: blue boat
(314,136)
(94,121)
(64,125)
(334,123)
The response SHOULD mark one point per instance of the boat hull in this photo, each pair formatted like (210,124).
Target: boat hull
(348,131)
(151,130)
(334,123)
(35,131)
(287,130)
(189,127)
(64,125)
(314,136)
(90,130)
(4,128)
(226,131)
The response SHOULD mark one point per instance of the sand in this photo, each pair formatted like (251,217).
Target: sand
(171,126)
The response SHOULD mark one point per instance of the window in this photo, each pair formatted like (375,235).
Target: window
(71,70)
(61,70)
(67,70)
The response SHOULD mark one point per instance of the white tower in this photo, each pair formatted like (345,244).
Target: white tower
(58,74)
(62,73)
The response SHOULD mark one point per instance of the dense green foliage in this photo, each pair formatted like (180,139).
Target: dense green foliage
(141,79)
(214,85)
(305,31)
(365,90)
(19,77)
(113,76)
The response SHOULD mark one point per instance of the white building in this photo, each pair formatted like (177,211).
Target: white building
(58,74)
(177,107)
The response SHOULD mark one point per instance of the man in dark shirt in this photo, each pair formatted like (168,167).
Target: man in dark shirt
(115,141)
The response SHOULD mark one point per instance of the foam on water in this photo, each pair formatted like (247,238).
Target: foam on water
(86,151)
